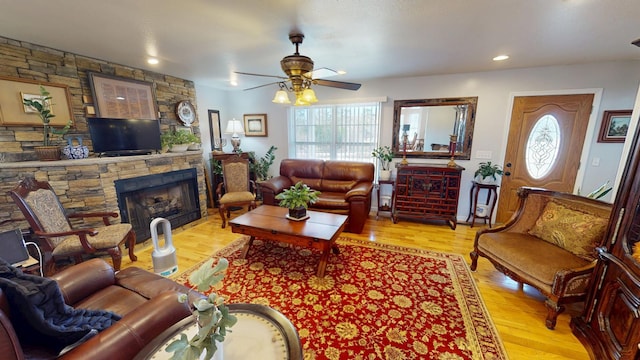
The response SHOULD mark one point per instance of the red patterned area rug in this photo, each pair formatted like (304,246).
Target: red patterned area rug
(375,302)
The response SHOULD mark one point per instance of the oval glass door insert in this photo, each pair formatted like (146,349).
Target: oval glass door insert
(543,146)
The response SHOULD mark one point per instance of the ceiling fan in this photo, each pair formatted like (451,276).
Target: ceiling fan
(300,73)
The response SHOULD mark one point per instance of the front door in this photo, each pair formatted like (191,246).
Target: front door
(544,147)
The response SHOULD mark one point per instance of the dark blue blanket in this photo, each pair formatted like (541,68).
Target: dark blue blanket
(40,315)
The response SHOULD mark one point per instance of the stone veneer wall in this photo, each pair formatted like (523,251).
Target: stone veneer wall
(19,59)
(87,185)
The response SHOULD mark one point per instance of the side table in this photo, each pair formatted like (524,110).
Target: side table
(490,202)
(260,333)
(389,206)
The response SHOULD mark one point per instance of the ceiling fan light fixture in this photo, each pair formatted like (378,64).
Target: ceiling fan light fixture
(281,97)
(309,96)
(300,100)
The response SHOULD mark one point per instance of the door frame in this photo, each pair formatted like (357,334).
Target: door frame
(591,127)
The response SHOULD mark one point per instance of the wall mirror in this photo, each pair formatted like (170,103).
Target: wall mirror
(424,127)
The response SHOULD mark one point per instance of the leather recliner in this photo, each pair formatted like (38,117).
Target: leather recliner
(148,304)
(345,187)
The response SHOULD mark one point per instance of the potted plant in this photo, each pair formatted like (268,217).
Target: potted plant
(487,173)
(211,315)
(261,166)
(42,106)
(385,156)
(178,141)
(297,199)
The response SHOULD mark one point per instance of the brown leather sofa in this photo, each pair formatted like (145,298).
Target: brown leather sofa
(148,304)
(549,243)
(345,186)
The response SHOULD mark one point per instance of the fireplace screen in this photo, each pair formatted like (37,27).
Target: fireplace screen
(172,195)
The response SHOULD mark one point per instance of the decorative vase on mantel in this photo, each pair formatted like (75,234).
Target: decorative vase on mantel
(75,151)
(47,153)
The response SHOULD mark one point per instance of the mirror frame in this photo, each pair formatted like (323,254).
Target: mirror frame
(467,137)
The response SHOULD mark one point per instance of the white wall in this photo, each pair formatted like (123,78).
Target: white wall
(618,81)
(209,99)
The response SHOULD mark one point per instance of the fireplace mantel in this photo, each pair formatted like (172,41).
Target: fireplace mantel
(87,185)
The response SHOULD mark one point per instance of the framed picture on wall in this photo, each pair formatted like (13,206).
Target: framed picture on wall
(255,125)
(122,98)
(215,132)
(615,124)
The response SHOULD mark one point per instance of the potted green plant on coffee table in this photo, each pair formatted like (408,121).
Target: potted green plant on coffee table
(297,199)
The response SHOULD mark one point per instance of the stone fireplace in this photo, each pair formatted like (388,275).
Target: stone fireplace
(88,185)
(171,195)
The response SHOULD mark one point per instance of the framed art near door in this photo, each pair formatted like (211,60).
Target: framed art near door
(615,124)
(215,132)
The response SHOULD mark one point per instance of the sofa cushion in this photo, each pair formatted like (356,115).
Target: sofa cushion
(529,257)
(331,200)
(576,231)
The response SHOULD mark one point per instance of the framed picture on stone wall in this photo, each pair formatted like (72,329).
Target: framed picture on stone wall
(13,112)
(122,98)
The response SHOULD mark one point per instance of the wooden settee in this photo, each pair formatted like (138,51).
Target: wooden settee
(549,244)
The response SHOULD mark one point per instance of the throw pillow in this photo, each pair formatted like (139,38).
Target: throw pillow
(573,230)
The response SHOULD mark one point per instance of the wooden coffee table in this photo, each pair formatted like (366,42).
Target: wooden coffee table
(268,222)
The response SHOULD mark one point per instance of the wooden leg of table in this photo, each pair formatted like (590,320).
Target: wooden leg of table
(323,262)
(245,249)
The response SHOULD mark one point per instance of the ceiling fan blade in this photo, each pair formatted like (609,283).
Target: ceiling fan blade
(337,84)
(259,86)
(252,74)
(321,73)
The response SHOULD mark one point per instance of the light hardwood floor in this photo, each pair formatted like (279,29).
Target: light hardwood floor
(518,312)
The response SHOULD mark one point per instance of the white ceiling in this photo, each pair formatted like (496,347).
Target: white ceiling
(206,40)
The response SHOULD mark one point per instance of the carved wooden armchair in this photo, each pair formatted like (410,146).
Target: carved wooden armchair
(549,243)
(49,222)
(237,188)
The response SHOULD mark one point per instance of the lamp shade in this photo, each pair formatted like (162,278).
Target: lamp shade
(309,96)
(281,97)
(234,127)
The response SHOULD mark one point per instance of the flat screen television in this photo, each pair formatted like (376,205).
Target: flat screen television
(119,137)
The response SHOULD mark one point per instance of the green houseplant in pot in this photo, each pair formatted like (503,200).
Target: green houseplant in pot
(211,315)
(385,156)
(42,106)
(178,141)
(260,166)
(297,199)
(487,173)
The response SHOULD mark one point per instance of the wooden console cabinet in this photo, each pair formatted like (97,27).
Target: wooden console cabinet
(609,327)
(427,192)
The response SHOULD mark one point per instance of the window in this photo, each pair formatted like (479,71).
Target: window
(334,132)
(543,146)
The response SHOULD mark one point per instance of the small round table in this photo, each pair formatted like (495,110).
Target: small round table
(490,202)
(260,333)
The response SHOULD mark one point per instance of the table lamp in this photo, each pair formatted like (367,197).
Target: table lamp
(235,128)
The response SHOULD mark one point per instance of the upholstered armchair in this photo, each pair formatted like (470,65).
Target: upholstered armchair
(52,226)
(236,188)
(549,244)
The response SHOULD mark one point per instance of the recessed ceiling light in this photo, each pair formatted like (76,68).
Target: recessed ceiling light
(233,83)
(152,61)
(501,57)
(341,72)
